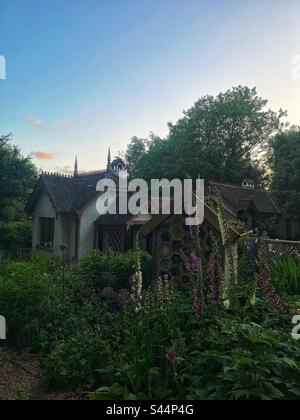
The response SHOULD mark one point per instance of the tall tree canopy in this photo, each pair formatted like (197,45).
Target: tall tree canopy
(219,138)
(135,151)
(285,160)
(17,177)
(285,163)
(137,154)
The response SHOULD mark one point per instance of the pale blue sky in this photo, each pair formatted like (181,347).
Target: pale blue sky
(86,74)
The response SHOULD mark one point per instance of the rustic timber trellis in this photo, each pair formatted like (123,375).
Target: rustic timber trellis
(172,244)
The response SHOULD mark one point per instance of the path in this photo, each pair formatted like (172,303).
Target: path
(20,378)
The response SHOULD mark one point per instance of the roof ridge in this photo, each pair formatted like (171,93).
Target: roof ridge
(82,174)
(224,184)
(56,174)
(274,202)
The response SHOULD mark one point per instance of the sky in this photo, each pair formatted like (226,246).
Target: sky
(83,75)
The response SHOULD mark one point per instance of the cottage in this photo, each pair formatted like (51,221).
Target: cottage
(66,223)
(257,208)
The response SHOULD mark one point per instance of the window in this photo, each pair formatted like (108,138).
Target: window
(114,239)
(46,233)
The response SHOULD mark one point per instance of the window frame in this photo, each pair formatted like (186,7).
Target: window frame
(46,233)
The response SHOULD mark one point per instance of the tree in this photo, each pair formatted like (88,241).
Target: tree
(285,164)
(285,160)
(222,138)
(135,151)
(17,177)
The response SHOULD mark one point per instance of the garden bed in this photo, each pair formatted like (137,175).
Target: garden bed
(98,339)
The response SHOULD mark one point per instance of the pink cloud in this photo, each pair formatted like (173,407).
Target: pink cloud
(65,124)
(35,122)
(62,125)
(44,155)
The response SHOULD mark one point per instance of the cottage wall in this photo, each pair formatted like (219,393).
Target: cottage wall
(68,236)
(64,230)
(44,209)
(87,229)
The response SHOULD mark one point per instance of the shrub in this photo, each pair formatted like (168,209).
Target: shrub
(286,275)
(101,270)
(24,290)
(164,325)
(15,238)
(242,361)
(74,362)
(169,354)
(159,349)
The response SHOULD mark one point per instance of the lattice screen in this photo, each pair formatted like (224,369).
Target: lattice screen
(174,242)
(114,239)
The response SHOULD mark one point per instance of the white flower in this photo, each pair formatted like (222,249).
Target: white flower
(137,286)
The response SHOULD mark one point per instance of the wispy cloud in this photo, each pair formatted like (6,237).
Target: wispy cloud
(35,122)
(64,124)
(44,155)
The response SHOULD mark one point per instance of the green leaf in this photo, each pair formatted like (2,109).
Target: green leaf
(130,397)
(271,391)
(246,362)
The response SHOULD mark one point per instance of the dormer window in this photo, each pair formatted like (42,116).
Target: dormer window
(248,183)
(118,165)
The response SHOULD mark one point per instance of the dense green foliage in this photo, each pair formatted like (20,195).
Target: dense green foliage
(17,178)
(76,360)
(16,238)
(219,137)
(286,160)
(285,163)
(286,275)
(90,336)
(101,270)
(239,359)
(24,294)
(167,353)
(134,153)
(38,293)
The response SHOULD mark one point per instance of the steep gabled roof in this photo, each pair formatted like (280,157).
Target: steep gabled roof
(59,189)
(237,229)
(68,194)
(241,198)
(87,190)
